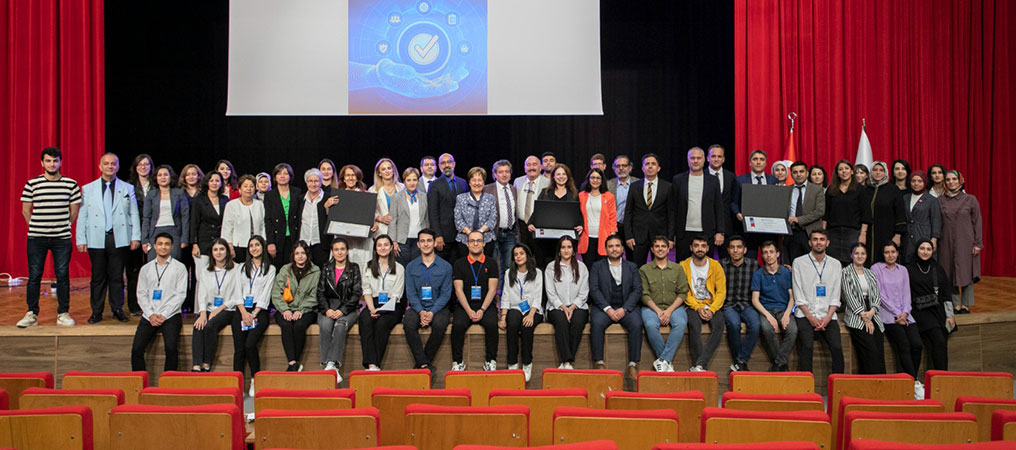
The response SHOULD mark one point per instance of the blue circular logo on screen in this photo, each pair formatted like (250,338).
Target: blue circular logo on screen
(424,46)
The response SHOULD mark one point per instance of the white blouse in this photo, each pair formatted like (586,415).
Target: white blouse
(593,215)
(567,292)
(531,291)
(259,286)
(217,283)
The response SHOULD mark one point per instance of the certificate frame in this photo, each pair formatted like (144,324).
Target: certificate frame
(766,208)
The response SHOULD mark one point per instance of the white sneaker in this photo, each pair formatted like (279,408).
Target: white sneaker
(660,365)
(696,368)
(458,367)
(251,391)
(561,366)
(250,417)
(338,376)
(300,368)
(329,365)
(670,366)
(568,366)
(490,366)
(527,369)
(64,320)
(918,390)
(373,368)
(29,320)
(513,367)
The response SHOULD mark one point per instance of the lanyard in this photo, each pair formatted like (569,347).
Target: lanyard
(476,276)
(384,275)
(257,270)
(522,287)
(218,283)
(813,264)
(158,275)
(426,274)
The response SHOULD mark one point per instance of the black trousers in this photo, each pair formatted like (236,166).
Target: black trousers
(627,251)
(187,259)
(283,251)
(374,334)
(514,332)
(107,275)
(598,323)
(870,351)
(640,254)
(806,344)
(592,254)
(423,356)
(294,333)
(132,265)
(795,245)
(319,254)
(938,347)
(461,323)
(239,254)
(568,335)
(246,343)
(205,343)
(144,335)
(699,353)
(907,347)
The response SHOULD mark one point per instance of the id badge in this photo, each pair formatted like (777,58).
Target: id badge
(427,293)
(157,294)
(475,293)
(244,327)
(382,298)
(248,301)
(820,290)
(217,302)
(524,307)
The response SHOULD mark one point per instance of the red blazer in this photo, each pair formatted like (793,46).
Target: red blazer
(608,222)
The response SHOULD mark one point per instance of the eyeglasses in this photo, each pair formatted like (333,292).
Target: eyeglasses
(475,241)
(622,165)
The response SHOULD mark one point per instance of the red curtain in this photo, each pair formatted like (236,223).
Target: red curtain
(53,95)
(933,79)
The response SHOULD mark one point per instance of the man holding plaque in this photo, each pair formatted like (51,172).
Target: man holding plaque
(807,206)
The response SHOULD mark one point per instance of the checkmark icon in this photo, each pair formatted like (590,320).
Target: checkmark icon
(424,51)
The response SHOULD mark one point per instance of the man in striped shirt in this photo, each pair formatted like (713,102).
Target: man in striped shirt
(49,203)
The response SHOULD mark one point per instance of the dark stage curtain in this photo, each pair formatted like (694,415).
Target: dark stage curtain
(933,79)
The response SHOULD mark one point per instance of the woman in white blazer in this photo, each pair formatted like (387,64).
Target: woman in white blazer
(243,219)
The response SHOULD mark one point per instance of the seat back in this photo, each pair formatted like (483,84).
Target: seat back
(330,428)
(311,380)
(63,427)
(596,383)
(705,382)
(363,382)
(5,400)
(848,404)
(480,383)
(206,427)
(946,386)
(590,445)
(1003,425)
(131,383)
(778,445)
(629,429)
(99,401)
(871,444)
(433,427)
(772,382)
(160,396)
(898,386)
(982,408)
(687,405)
(200,380)
(303,400)
(773,402)
(391,405)
(729,426)
(917,428)
(16,382)
(541,404)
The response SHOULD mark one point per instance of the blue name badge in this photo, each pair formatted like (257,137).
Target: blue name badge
(475,293)
(382,298)
(427,293)
(820,290)
(217,302)
(157,294)
(244,327)
(524,307)
(248,301)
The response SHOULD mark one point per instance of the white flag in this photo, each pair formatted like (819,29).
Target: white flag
(864,151)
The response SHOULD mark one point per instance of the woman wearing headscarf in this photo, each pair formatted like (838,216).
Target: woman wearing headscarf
(888,216)
(780,170)
(924,218)
(931,306)
(961,246)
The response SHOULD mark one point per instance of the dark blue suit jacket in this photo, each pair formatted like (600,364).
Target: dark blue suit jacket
(441,206)
(735,206)
(601,284)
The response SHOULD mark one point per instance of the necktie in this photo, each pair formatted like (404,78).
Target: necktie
(758,179)
(107,205)
(451,184)
(510,208)
(649,196)
(529,201)
(799,205)
(720,179)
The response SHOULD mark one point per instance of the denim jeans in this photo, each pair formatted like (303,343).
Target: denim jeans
(741,348)
(61,248)
(678,323)
(504,242)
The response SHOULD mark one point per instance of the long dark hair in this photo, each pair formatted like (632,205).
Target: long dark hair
(266,258)
(570,184)
(906,166)
(211,259)
(300,272)
(834,185)
(232,172)
(574,262)
(375,265)
(825,177)
(587,187)
(204,183)
(513,272)
(134,171)
(172,175)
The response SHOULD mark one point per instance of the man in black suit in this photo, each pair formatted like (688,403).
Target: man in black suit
(698,205)
(648,211)
(717,156)
(757,160)
(283,231)
(441,207)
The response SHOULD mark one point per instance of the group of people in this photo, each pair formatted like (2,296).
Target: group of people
(445,249)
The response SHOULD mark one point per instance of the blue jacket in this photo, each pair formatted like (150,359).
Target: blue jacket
(601,283)
(438,276)
(91,226)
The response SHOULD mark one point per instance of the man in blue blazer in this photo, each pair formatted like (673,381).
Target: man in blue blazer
(757,160)
(107,224)
(615,290)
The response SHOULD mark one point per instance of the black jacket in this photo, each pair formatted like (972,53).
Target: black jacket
(205,222)
(275,219)
(642,224)
(344,295)
(441,206)
(714,216)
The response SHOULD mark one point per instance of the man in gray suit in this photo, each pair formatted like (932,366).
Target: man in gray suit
(807,206)
(623,181)
(506,230)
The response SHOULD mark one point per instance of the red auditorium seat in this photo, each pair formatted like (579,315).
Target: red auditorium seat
(436,427)
(330,428)
(363,382)
(200,380)
(914,428)
(705,382)
(1003,425)
(772,382)
(772,402)
(541,404)
(731,426)
(302,399)
(848,404)
(778,445)
(687,405)
(208,427)
(596,382)
(946,386)
(870,444)
(480,383)
(160,396)
(15,382)
(131,383)
(628,428)
(591,445)
(312,379)
(983,408)
(63,427)
(100,401)
(392,403)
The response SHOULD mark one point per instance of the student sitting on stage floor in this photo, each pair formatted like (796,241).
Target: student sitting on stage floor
(162,287)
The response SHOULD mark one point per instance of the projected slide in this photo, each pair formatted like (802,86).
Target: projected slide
(428,58)
(414,57)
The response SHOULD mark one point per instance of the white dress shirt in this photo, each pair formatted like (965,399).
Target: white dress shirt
(808,275)
(719,176)
(531,291)
(393,284)
(566,292)
(309,226)
(171,279)
(208,287)
(258,285)
(504,221)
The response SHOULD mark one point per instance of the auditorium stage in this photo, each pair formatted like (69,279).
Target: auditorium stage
(982,343)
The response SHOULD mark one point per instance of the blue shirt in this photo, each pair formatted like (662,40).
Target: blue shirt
(622,198)
(773,289)
(438,276)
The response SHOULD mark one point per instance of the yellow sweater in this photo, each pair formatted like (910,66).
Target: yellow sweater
(716,284)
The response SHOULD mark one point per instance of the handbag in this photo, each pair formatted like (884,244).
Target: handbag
(287,292)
